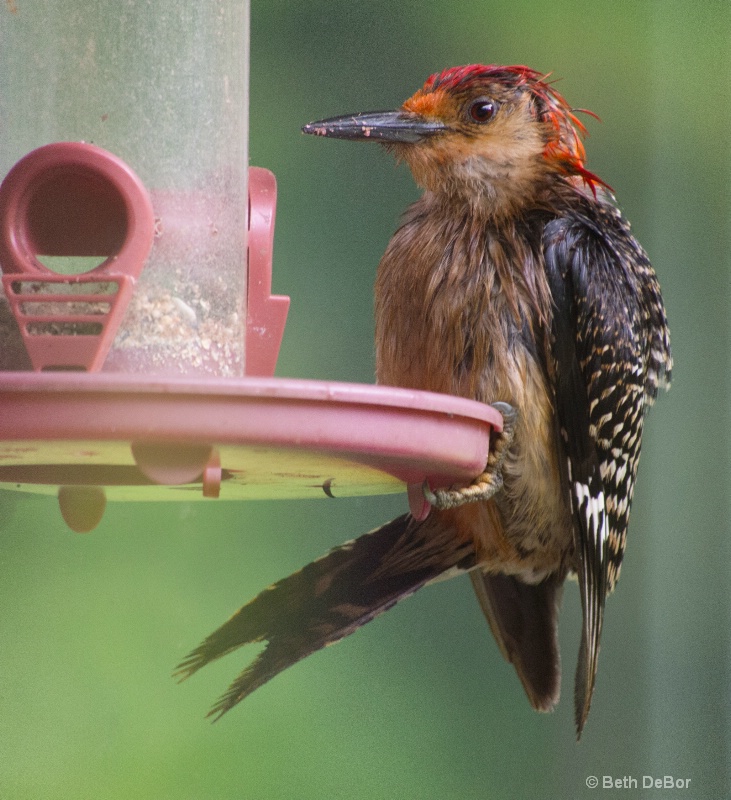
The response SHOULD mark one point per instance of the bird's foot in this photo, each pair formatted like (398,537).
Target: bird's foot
(485,485)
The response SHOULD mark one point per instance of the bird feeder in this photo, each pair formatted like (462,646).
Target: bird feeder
(138,332)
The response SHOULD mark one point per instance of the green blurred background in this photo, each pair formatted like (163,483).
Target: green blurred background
(418,705)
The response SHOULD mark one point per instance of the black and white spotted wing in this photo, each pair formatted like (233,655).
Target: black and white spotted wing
(611,353)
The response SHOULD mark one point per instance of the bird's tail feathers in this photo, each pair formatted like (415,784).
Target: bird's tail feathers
(331,598)
(524,621)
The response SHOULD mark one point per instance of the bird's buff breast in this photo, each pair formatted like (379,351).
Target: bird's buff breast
(447,327)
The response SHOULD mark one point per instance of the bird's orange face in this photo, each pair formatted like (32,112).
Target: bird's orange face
(506,130)
(492,144)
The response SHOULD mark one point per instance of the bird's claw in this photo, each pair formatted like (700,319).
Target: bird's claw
(489,482)
(482,488)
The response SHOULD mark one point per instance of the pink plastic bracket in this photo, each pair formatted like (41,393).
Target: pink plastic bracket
(72,199)
(267,313)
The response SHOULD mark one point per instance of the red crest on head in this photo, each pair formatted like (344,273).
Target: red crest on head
(564,148)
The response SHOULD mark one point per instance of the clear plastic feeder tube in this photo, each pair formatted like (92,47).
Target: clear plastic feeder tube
(163,85)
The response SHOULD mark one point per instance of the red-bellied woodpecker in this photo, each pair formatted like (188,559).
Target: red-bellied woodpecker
(513,280)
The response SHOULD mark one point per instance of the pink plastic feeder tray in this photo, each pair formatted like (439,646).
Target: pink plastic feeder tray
(69,428)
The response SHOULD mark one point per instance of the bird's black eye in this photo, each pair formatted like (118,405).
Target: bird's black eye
(482,109)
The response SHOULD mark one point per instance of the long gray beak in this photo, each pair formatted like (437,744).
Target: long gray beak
(380,126)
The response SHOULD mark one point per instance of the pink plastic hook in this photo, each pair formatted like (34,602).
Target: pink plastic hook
(266,313)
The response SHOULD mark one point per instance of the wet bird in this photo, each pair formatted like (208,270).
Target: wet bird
(513,280)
